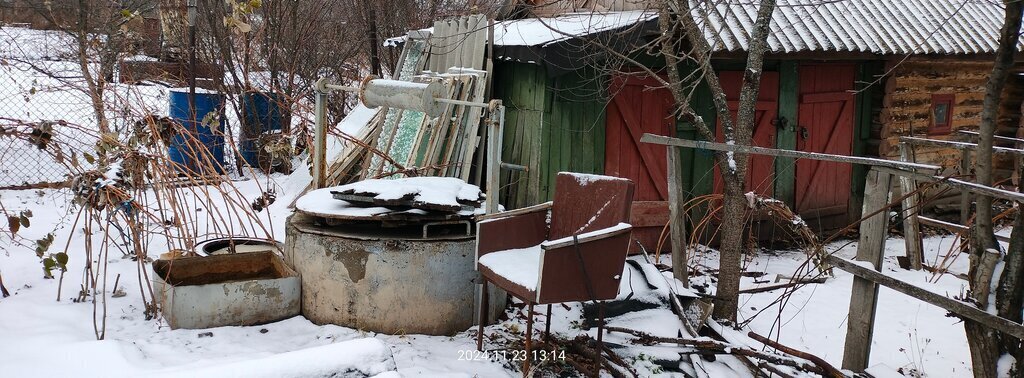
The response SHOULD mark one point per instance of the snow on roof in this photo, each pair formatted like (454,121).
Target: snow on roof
(872,26)
(543,31)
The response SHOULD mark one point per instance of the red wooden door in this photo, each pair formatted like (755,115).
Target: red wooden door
(761,169)
(637,108)
(640,105)
(825,125)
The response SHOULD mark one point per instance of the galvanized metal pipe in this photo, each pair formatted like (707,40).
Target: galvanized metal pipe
(496,121)
(320,138)
(422,97)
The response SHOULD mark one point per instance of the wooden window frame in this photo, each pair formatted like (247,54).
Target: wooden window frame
(941,126)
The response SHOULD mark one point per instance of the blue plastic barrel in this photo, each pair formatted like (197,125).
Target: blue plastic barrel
(204,142)
(261,112)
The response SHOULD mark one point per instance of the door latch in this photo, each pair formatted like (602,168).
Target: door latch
(804,133)
(780,123)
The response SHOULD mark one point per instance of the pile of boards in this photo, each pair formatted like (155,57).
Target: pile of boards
(405,143)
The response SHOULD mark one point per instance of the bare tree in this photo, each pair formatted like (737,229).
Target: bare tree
(100,35)
(680,29)
(990,271)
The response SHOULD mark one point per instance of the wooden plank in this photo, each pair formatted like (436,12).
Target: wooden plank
(975,134)
(677,217)
(785,168)
(958,145)
(960,308)
(965,195)
(959,184)
(953,227)
(864,297)
(668,141)
(911,227)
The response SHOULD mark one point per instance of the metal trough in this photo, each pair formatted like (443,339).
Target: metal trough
(226,290)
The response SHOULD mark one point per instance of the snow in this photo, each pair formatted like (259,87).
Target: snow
(321,201)
(544,31)
(521,266)
(433,190)
(367,357)
(603,231)
(585,179)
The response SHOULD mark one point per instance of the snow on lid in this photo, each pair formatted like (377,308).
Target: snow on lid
(521,266)
(434,190)
(609,230)
(543,31)
(321,201)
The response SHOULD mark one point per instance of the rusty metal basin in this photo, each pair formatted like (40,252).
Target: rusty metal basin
(226,290)
(390,282)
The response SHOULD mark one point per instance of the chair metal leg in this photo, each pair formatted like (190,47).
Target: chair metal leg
(600,337)
(547,325)
(484,304)
(529,335)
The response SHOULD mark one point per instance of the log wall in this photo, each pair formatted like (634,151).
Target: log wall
(906,106)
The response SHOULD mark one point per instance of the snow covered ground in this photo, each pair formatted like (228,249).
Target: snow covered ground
(912,335)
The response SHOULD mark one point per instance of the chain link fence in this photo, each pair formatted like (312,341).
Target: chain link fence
(48,122)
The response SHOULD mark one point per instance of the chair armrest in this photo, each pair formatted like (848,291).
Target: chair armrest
(511,231)
(604,233)
(601,252)
(505,214)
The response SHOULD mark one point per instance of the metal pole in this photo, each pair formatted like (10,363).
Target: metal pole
(192,60)
(496,119)
(320,136)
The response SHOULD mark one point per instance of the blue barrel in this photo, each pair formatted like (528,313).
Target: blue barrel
(202,145)
(261,112)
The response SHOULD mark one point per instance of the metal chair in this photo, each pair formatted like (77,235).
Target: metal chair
(569,250)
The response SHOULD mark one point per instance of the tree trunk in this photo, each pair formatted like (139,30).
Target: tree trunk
(734,204)
(374,40)
(677,13)
(3,290)
(985,344)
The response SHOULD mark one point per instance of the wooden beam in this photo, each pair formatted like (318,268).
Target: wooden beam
(965,195)
(957,145)
(960,308)
(870,249)
(677,217)
(975,134)
(960,184)
(911,227)
(714,146)
(953,227)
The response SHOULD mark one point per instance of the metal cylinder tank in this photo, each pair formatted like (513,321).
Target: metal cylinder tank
(396,281)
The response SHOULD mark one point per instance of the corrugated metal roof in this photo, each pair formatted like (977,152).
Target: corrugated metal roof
(873,26)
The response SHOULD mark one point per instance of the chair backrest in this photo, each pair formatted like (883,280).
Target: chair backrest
(585,203)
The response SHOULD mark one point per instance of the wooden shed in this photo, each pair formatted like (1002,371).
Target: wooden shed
(840,77)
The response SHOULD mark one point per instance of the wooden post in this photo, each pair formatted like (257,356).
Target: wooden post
(677,217)
(965,195)
(864,299)
(911,226)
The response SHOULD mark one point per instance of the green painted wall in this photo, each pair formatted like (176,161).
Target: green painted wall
(551,125)
(789,99)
